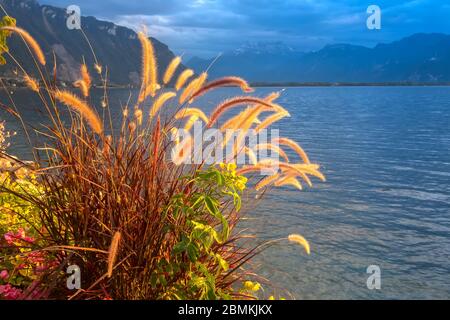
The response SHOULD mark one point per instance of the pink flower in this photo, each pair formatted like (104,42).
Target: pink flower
(9,237)
(4,274)
(28,239)
(9,292)
(36,257)
(21,233)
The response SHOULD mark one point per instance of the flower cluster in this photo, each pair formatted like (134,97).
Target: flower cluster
(21,265)
(19,236)
(20,272)
(229,171)
(8,292)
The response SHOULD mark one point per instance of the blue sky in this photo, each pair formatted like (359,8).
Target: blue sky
(208,27)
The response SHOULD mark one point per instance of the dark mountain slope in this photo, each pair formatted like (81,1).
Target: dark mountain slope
(115,47)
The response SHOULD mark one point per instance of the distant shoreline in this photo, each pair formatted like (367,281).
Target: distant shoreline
(19,83)
(349,84)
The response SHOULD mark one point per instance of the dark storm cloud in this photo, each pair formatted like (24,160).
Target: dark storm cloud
(111,8)
(207,27)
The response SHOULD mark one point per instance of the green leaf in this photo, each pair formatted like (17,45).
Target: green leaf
(162,280)
(225,229)
(169,268)
(210,205)
(220,178)
(153,280)
(192,252)
(197,201)
(222,263)
(6,21)
(179,247)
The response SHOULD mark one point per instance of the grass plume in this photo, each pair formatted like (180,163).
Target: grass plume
(234,102)
(270,120)
(187,112)
(195,85)
(113,251)
(149,70)
(183,77)
(31,83)
(171,69)
(227,81)
(98,68)
(81,84)
(160,101)
(296,238)
(29,40)
(272,147)
(80,106)
(295,147)
(289,180)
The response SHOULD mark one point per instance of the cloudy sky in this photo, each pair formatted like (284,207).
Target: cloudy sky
(208,27)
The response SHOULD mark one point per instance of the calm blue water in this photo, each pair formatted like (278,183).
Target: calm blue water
(386,154)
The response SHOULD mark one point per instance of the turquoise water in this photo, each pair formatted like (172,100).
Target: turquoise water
(386,154)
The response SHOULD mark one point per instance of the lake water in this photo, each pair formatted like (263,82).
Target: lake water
(386,154)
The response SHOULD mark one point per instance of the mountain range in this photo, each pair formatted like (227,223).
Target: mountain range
(116,47)
(417,58)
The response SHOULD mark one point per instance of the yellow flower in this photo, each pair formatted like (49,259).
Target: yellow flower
(256,287)
(252,286)
(240,185)
(248,285)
